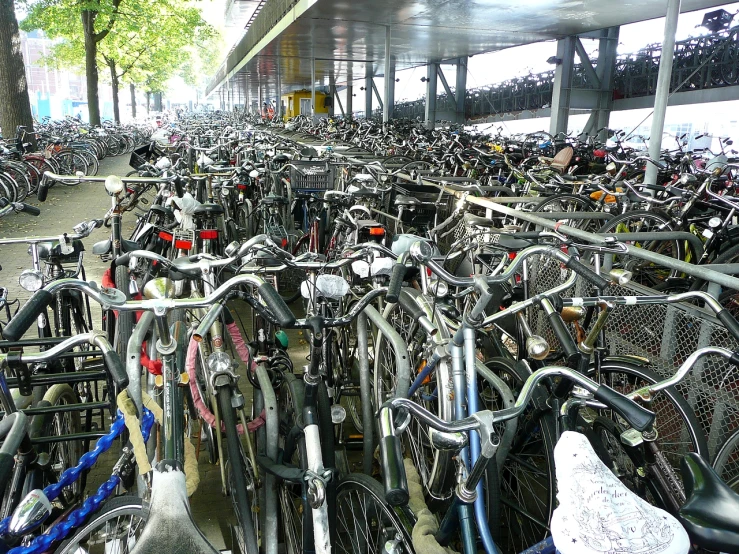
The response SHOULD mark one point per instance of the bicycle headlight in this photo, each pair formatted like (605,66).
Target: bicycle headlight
(113,184)
(31,280)
(219,362)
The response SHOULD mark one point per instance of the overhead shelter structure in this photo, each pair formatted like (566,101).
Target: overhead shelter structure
(330,44)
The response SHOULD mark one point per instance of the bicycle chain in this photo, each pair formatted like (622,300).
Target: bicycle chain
(61,530)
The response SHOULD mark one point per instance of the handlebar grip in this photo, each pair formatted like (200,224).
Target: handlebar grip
(638,417)
(276,304)
(396,282)
(393,471)
(123,260)
(27,315)
(586,273)
(43,189)
(731,324)
(116,369)
(179,189)
(32,210)
(410,305)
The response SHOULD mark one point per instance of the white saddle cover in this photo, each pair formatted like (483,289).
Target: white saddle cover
(597,514)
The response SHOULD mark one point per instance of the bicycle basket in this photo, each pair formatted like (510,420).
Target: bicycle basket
(313,175)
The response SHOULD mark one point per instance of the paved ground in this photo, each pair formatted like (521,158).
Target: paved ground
(65,207)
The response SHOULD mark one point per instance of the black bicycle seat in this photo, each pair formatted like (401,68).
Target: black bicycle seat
(281,159)
(53,250)
(267,200)
(401,200)
(166,212)
(364,193)
(709,515)
(472,219)
(208,210)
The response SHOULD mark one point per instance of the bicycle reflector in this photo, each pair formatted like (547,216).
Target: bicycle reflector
(377,231)
(209,234)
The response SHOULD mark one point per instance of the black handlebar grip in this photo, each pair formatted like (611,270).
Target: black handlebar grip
(179,190)
(276,304)
(563,335)
(43,189)
(393,471)
(729,322)
(409,305)
(116,369)
(32,210)
(27,315)
(638,417)
(396,282)
(123,260)
(586,273)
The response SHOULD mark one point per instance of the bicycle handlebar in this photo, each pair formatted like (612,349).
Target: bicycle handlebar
(395,482)
(113,363)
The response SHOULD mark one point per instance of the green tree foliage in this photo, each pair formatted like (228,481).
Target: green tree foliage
(150,41)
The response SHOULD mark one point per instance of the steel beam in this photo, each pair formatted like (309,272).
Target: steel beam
(338,101)
(368,84)
(442,78)
(663,89)
(387,110)
(331,91)
(431,79)
(587,65)
(377,95)
(461,88)
(349,98)
(313,89)
(278,108)
(562,85)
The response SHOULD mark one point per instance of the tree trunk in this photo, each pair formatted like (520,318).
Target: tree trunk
(157,101)
(133,100)
(148,102)
(15,107)
(91,67)
(114,86)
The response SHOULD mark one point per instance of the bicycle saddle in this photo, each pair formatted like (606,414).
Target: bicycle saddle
(364,193)
(401,200)
(53,249)
(268,200)
(709,515)
(166,212)
(171,529)
(207,210)
(597,513)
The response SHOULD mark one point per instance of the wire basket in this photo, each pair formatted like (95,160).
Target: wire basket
(311,175)
(149,153)
(665,334)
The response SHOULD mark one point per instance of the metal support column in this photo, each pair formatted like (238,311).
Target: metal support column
(368,84)
(605,72)
(331,92)
(389,101)
(562,85)
(338,101)
(313,88)
(663,89)
(431,81)
(278,108)
(349,92)
(461,88)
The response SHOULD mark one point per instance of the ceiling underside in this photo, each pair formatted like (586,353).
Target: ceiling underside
(344,35)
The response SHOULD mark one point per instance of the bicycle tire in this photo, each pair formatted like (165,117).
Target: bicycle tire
(64,454)
(568,203)
(677,427)
(361,500)
(643,272)
(527,478)
(245,530)
(125,321)
(126,506)
(726,463)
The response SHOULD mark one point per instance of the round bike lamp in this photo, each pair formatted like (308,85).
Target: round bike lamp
(113,184)
(31,280)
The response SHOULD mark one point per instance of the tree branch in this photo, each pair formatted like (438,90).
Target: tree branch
(104,33)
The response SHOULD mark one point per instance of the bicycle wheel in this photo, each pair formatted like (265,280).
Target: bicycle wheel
(65,453)
(292,447)
(678,430)
(125,320)
(435,467)
(365,521)
(644,272)
(570,203)
(527,479)
(113,530)
(726,463)
(244,504)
